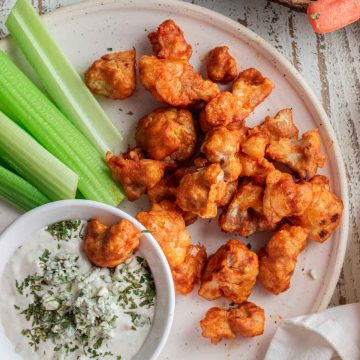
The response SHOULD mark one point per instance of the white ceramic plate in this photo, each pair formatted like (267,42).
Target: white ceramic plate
(86,30)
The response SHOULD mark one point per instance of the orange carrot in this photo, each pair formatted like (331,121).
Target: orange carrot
(330,15)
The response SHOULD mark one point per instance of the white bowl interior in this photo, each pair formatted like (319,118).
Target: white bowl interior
(19,231)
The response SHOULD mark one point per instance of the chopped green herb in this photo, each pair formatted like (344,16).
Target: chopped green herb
(44,257)
(109,49)
(129,113)
(315,16)
(17,307)
(63,230)
(146,231)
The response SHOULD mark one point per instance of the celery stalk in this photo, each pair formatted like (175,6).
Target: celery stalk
(60,79)
(34,163)
(42,119)
(19,192)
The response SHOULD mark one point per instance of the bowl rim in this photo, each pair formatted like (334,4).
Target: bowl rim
(81,203)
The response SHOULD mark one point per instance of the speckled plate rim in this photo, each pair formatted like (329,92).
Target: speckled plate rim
(294,78)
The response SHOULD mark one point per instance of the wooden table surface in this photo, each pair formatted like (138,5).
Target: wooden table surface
(331,66)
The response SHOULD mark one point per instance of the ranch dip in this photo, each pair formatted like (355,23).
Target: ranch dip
(61,307)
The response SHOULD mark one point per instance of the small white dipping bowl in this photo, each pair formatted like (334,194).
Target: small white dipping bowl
(16,233)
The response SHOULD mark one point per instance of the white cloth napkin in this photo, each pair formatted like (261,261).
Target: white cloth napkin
(322,336)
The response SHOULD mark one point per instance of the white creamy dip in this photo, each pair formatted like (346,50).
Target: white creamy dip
(61,307)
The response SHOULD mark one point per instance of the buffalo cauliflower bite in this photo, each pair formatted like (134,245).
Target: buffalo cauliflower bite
(278,259)
(114,75)
(134,173)
(222,145)
(244,214)
(249,90)
(165,190)
(110,246)
(187,274)
(302,156)
(175,82)
(255,143)
(280,126)
(201,191)
(222,110)
(230,272)
(168,42)
(246,319)
(256,169)
(221,66)
(215,326)
(283,197)
(230,189)
(324,213)
(167,226)
(167,132)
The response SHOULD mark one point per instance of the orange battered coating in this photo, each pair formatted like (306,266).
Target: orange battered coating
(168,42)
(246,319)
(222,110)
(324,213)
(278,259)
(168,228)
(244,214)
(280,126)
(187,274)
(114,75)
(256,169)
(165,189)
(201,191)
(283,197)
(255,144)
(249,90)
(222,145)
(134,173)
(175,82)
(303,156)
(230,272)
(230,189)
(221,66)
(110,246)
(167,132)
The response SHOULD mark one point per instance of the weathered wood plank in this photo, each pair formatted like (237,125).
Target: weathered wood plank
(331,66)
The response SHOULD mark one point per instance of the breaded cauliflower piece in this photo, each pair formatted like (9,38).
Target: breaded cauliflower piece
(302,156)
(230,189)
(256,169)
(324,213)
(222,146)
(221,66)
(222,110)
(246,319)
(168,42)
(114,75)
(255,144)
(175,82)
(244,214)
(167,132)
(134,173)
(165,189)
(249,90)
(168,228)
(280,126)
(283,197)
(201,191)
(230,272)
(277,260)
(215,325)
(109,246)
(187,274)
